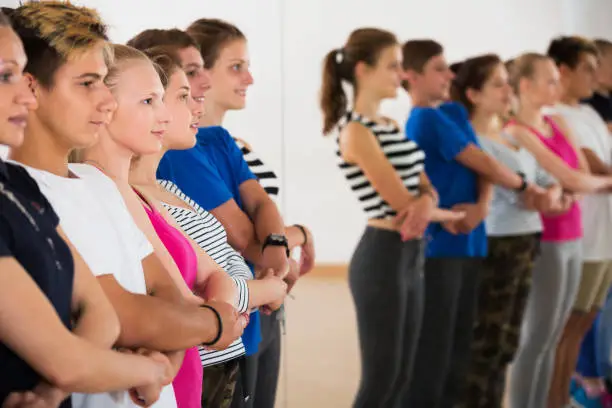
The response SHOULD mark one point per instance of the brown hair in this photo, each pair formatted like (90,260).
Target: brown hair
(166,61)
(212,35)
(472,74)
(4,20)
(52,32)
(523,67)
(603,46)
(173,38)
(568,50)
(363,45)
(417,53)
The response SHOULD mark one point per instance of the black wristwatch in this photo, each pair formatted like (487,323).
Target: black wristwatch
(276,240)
(524,184)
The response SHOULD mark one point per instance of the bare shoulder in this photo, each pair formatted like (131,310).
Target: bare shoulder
(560,122)
(354,138)
(518,132)
(244,143)
(391,121)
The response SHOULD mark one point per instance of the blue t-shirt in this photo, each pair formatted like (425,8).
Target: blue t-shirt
(211,174)
(443,133)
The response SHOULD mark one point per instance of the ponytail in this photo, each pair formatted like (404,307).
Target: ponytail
(333,98)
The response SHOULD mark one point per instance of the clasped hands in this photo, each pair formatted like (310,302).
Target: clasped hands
(413,219)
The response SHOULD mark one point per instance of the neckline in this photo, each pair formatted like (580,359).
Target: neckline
(192,210)
(3,170)
(517,149)
(354,115)
(147,204)
(549,122)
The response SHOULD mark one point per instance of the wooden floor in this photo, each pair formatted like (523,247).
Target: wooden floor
(320,367)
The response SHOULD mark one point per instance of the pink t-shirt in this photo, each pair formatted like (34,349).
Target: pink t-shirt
(568,226)
(188,382)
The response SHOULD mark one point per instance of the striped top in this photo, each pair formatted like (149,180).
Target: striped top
(266,176)
(209,234)
(404,155)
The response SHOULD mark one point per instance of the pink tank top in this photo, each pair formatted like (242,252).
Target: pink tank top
(188,381)
(568,226)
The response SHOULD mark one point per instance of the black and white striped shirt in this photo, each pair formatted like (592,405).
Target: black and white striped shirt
(404,155)
(210,235)
(266,176)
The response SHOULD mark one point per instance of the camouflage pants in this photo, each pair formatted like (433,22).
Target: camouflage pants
(218,384)
(505,285)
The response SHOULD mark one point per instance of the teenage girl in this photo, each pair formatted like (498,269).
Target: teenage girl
(385,171)
(556,275)
(200,225)
(513,231)
(136,128)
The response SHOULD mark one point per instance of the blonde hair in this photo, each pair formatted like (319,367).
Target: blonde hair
(119,58)
(123,55)
(523,67)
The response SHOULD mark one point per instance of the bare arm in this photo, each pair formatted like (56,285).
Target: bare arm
(486,166)
(212,282)
(595,164)
(569,178)
(153,321)
(36,334)
(247,236)
(359,146)
(239,228)
(485,193)
(266,221)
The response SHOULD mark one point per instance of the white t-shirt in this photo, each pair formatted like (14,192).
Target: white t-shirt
(95,218)
(592,133)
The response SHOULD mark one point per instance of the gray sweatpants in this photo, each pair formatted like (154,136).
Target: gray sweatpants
(556,277)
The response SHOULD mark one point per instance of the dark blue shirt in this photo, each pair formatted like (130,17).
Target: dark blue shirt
(443,133)
(211,174)
(28,234)
(602,104)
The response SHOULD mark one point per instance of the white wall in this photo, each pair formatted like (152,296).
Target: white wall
(316,193)
(288,39)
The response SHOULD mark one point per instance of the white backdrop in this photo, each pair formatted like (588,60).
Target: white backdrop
(288,39)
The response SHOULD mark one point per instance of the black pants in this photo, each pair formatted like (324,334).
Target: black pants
(260,371)
(443,354)
(386,281)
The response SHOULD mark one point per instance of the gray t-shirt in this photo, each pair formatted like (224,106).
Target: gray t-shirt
(507,215)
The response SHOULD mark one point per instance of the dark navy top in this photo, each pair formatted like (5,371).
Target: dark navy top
(28,234)
(602,104)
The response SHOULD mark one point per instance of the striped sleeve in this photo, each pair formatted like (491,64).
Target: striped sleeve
(209,234)
(243,294)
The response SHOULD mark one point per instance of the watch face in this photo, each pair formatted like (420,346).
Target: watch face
(276,239)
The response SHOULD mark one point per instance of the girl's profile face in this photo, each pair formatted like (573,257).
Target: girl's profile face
(16,99)
(231,76)
(185,112)
(141,118)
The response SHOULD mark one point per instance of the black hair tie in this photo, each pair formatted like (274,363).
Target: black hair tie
(220,325)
